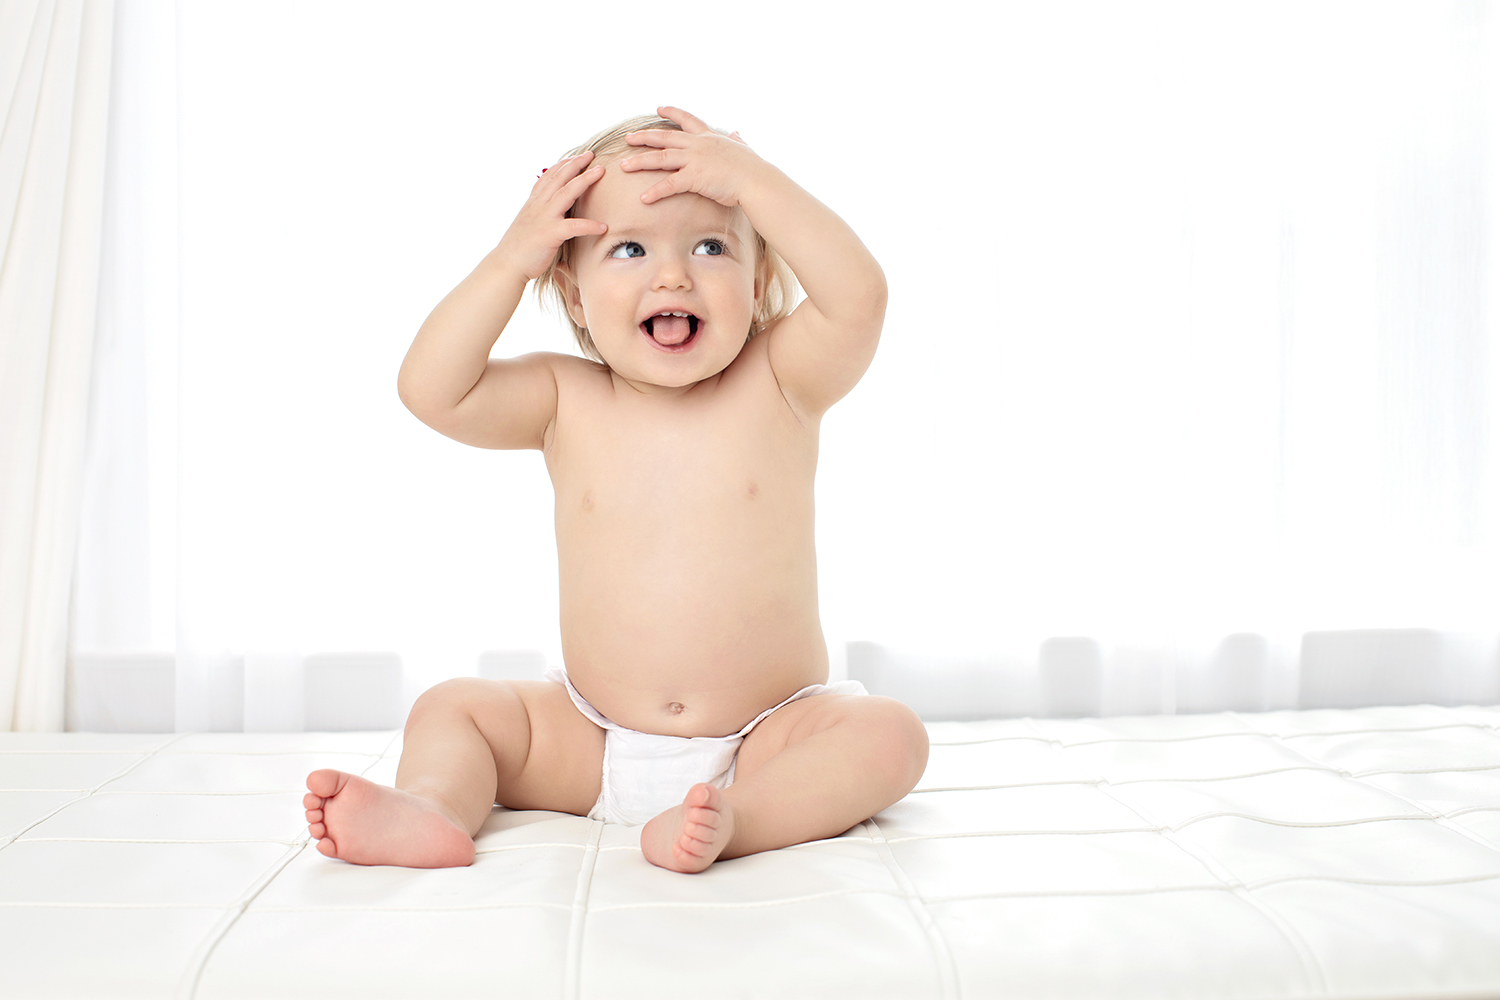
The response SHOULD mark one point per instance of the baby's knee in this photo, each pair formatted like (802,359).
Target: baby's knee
(460,696)
(903,744)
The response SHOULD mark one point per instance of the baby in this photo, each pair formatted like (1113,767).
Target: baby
(695,699)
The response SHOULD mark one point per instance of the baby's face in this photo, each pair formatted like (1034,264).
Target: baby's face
(684,254)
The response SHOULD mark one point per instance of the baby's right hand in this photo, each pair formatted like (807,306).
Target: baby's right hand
(542,225)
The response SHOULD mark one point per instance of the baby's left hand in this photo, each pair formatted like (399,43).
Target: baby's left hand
(700,159)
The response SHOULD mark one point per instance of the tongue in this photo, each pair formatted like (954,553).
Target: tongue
(669,330)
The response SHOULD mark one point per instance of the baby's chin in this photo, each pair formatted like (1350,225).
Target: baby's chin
(668,372)
(660,381)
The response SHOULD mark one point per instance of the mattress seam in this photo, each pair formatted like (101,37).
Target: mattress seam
(1311,967)
(1460,724)
(1138,781)
(1434,817)
(1222,885)
(229,915)
(162,840)
(187,987)
(743,905)
(942,955)
(89,792)
(573,956)
(1112,831)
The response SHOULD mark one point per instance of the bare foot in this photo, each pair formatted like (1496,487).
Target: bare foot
(689,837)
(356,820)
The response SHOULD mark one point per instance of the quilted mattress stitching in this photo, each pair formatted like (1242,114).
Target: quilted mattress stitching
(226,917)
(188,986)
(942,956)
(1436,817)
(411,908)
(1251,731)
(1420,770)
(1352,880)
(91,791)
(747,904)
(573,970)
(198,961)
(1311,967)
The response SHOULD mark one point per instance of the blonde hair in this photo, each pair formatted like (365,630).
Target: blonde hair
(778,284)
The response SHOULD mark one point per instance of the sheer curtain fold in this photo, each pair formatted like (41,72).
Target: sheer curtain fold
(55,62)
(1205,364)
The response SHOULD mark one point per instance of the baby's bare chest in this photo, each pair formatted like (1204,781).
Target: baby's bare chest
(697,462)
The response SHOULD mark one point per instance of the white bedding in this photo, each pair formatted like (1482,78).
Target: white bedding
(1287,854)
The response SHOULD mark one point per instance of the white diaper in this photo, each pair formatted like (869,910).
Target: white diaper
(646,774)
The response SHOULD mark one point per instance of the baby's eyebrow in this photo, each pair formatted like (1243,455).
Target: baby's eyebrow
(634,232)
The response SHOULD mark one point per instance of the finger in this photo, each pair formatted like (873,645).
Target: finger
(689,123)
(661,189)
(565,169)
(663,138)
(573,189)
(583,227)
(656,159)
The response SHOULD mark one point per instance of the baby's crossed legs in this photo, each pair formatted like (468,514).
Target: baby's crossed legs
(811,769)
(469,743)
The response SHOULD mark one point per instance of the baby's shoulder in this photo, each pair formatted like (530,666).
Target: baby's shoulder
(575,373)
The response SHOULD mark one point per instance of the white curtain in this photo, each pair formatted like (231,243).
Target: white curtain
(1192,329)
(54,81)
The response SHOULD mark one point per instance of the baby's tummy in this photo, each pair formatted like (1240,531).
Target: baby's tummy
(693,635)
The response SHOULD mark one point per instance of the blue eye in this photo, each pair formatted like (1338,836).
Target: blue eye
(711,248)
(631,249)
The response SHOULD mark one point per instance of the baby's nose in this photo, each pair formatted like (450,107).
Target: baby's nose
(671,273)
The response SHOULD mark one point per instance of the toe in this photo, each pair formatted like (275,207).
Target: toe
(311,801)
(325,846)
(315,815)
(317,831)
(325,783)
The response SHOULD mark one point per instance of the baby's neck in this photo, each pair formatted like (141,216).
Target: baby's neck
(659,391)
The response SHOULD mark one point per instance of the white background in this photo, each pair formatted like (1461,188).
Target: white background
(1192,315)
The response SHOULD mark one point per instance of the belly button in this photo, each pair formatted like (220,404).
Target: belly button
(676,707)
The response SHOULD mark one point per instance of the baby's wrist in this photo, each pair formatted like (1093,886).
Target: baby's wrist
(760,185)
(504,264)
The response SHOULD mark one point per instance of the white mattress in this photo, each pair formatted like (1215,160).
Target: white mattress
(1289,854)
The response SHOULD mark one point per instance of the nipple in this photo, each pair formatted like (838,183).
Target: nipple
(676,707)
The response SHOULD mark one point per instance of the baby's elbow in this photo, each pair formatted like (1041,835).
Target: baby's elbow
(407,392)
(879,291)
(874,295)
(870,317)
(421,404)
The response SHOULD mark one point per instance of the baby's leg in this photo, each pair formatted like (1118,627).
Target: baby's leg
(810,770)
(469,743)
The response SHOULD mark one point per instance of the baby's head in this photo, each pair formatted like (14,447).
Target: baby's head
(774,283)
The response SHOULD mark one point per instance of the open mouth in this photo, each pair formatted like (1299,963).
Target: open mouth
(672,330)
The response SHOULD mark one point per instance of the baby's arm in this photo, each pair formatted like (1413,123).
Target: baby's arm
(448,379)
(820,351)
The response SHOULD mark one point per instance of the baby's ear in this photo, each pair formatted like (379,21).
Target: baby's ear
(568,286)
(762,278)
